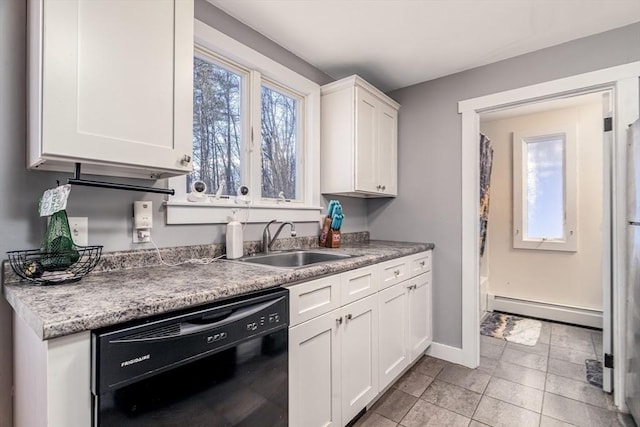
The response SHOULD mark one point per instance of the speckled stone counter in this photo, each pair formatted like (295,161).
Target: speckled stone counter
(112,296)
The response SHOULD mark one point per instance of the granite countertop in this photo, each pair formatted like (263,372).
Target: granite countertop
(109,297)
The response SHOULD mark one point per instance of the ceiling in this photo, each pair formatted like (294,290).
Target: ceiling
(397,43)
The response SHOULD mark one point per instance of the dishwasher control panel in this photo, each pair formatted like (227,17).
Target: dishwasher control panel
(125,355)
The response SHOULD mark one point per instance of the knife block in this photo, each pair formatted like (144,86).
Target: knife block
(334,239)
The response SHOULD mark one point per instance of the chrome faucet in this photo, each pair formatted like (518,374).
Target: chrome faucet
(267,241)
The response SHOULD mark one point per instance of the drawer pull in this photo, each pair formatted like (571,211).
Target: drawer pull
(422,263)
(396,272)
(339,321)
(348,317)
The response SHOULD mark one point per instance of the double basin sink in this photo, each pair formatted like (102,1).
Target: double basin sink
(293,258)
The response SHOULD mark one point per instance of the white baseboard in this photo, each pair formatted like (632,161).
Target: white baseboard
(544,310)
(445,352)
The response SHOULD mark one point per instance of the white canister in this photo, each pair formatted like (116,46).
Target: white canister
(234,240)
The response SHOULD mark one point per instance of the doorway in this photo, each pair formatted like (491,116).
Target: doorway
(623,82)
(548,244)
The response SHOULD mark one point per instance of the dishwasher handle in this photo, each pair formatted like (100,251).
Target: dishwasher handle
(195,326)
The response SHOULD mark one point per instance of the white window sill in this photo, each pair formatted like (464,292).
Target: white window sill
(209,213)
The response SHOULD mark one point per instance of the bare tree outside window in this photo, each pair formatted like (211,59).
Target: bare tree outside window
(217,124)
(279,144)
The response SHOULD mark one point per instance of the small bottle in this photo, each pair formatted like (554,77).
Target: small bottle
(234,239)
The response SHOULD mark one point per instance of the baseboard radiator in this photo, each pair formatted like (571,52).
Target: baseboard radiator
(544,310)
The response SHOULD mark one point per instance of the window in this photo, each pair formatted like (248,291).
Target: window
(255,124)
(281,137)
(544,191)
(218,102)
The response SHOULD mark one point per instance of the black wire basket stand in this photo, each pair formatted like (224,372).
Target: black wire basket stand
(28,264)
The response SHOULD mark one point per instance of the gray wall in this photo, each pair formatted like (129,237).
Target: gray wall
(109,211)
(429,204)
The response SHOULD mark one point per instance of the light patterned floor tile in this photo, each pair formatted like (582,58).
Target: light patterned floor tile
(528,360)
(464,377)
(491,351)
(394,405)
(578,390)
(452,397)
(430,366)
(372,419)
(425,414)
(574,371)
(521,375)
(578,413)
(487,365)
(516,394)
(584,345)
(413,383)
(570,354)
(497,413)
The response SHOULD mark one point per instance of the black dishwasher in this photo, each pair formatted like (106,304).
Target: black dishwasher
(220,365)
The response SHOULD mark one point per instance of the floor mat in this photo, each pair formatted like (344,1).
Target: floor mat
(511,328)
(594,372)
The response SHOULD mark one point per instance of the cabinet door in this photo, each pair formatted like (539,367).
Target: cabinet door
(393,333)
(419,314)
(314,372)
(366,142)
(387,149)
(359,356)
(117,82)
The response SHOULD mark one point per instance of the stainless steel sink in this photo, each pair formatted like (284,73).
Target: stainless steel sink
(293,259)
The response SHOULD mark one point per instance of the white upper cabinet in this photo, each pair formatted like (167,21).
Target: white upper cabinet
(359,140)
(111,86)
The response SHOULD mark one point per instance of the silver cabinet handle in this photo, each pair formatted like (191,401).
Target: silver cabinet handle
(339,321)
(396,272)
(384,187)
(186,159)
(348,317)
(422,263)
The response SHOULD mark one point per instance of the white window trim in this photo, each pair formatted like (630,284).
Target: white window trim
(216,211)
(569,242)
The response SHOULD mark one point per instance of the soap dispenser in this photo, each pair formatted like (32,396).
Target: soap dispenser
(234,238)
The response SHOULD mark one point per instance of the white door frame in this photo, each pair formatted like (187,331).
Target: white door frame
(624,81)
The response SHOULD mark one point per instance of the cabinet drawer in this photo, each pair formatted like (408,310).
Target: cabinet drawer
(310,299)
(358,284)
(419,263)
(393,271)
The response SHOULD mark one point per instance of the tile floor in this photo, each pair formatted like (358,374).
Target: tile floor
(515,386)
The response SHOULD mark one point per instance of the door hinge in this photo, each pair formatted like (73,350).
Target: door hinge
(608,124)
(608,360)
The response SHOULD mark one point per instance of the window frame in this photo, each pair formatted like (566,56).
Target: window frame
(569,241)
(275,75)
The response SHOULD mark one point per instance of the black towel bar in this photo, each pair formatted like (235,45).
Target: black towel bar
(77,180)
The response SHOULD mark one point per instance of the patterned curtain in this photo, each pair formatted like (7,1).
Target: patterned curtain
(486,159)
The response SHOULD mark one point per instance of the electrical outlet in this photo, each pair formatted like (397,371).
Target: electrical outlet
(142,221)
(79,230)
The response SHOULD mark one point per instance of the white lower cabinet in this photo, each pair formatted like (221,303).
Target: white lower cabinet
(359,348)
(394,333)
(420,315)
(405,326)
(314,372)
(333,363)
(340,359)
